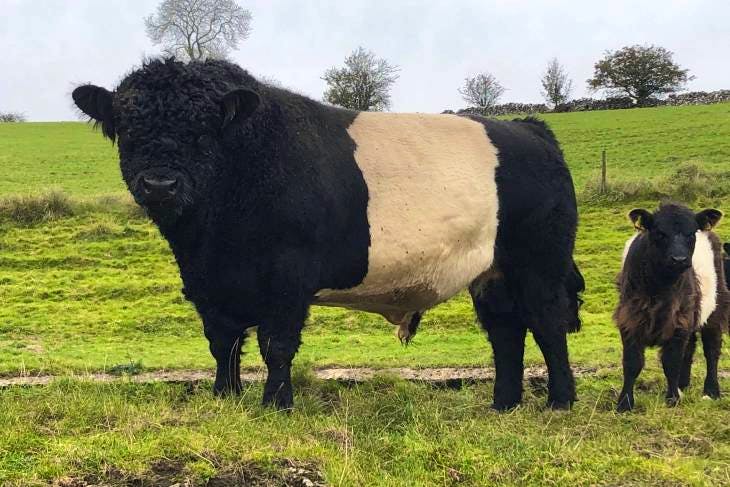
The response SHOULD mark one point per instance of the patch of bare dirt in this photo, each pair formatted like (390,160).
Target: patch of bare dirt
(172,473)
(435,375)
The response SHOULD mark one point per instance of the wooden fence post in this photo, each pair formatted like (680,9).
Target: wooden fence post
(604,186)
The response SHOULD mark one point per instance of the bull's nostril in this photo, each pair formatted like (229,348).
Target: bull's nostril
(679,259)
(159,187)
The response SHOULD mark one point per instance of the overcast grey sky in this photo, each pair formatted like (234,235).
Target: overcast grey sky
(49,46)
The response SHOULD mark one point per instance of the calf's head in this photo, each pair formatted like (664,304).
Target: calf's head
(671,233)
(169,121)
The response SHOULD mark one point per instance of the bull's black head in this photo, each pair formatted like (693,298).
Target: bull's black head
(169,120)
(671,232)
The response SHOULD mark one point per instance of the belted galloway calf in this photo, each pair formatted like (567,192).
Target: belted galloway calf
(272,202)
(672,285)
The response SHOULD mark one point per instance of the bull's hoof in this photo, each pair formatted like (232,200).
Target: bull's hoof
(226,390)
(503,406)
(560,405)
(281,399)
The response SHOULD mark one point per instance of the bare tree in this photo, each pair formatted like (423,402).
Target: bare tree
(198,29)
(364,82)
(556,86)
(482,91)
(11,117)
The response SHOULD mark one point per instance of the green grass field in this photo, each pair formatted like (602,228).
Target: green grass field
(98,288)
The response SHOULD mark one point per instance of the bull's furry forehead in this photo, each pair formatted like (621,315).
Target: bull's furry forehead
(167,89)
(169,74)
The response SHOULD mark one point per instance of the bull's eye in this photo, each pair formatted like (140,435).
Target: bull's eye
(660,236)
(126,140)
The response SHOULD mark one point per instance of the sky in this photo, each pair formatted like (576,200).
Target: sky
(50,46)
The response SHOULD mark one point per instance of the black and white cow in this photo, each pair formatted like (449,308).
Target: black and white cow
(272,202)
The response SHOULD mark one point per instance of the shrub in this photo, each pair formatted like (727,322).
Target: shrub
(9,117)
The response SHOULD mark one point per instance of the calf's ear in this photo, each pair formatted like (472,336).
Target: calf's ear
(96,102)
(708,219)
(238,105)
(641,219)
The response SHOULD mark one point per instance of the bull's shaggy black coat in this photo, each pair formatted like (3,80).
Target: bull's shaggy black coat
(672,285)
(265,204)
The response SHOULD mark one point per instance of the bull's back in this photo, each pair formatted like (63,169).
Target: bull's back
(432,209)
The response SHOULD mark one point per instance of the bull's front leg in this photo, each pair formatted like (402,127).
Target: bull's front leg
(225,340)
(278,343)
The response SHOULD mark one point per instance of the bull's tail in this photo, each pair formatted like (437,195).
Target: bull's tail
(574,285)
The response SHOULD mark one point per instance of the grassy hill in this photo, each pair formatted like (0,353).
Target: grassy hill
(640,143)
(87,284)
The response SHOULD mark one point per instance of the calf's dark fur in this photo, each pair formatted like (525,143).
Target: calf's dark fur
(672,286)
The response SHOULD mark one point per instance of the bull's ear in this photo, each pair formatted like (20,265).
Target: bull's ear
(641,219)
(708,219)
(238,105)
(96,102)
(726,246)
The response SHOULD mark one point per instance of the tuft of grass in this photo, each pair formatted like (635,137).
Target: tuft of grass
(691,181)
(54,204)
(688,182)
(31,209)
(131,368)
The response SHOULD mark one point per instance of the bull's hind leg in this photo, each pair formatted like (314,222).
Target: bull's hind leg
(546,308)
(561,385)
(685,375)
(506,333)
(712,343)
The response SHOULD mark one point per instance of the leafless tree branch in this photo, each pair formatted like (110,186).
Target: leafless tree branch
(198,29)
(482,91)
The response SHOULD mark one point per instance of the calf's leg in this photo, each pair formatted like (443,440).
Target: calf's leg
(633,362)
(672,358)
(685,375)
(712,343)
